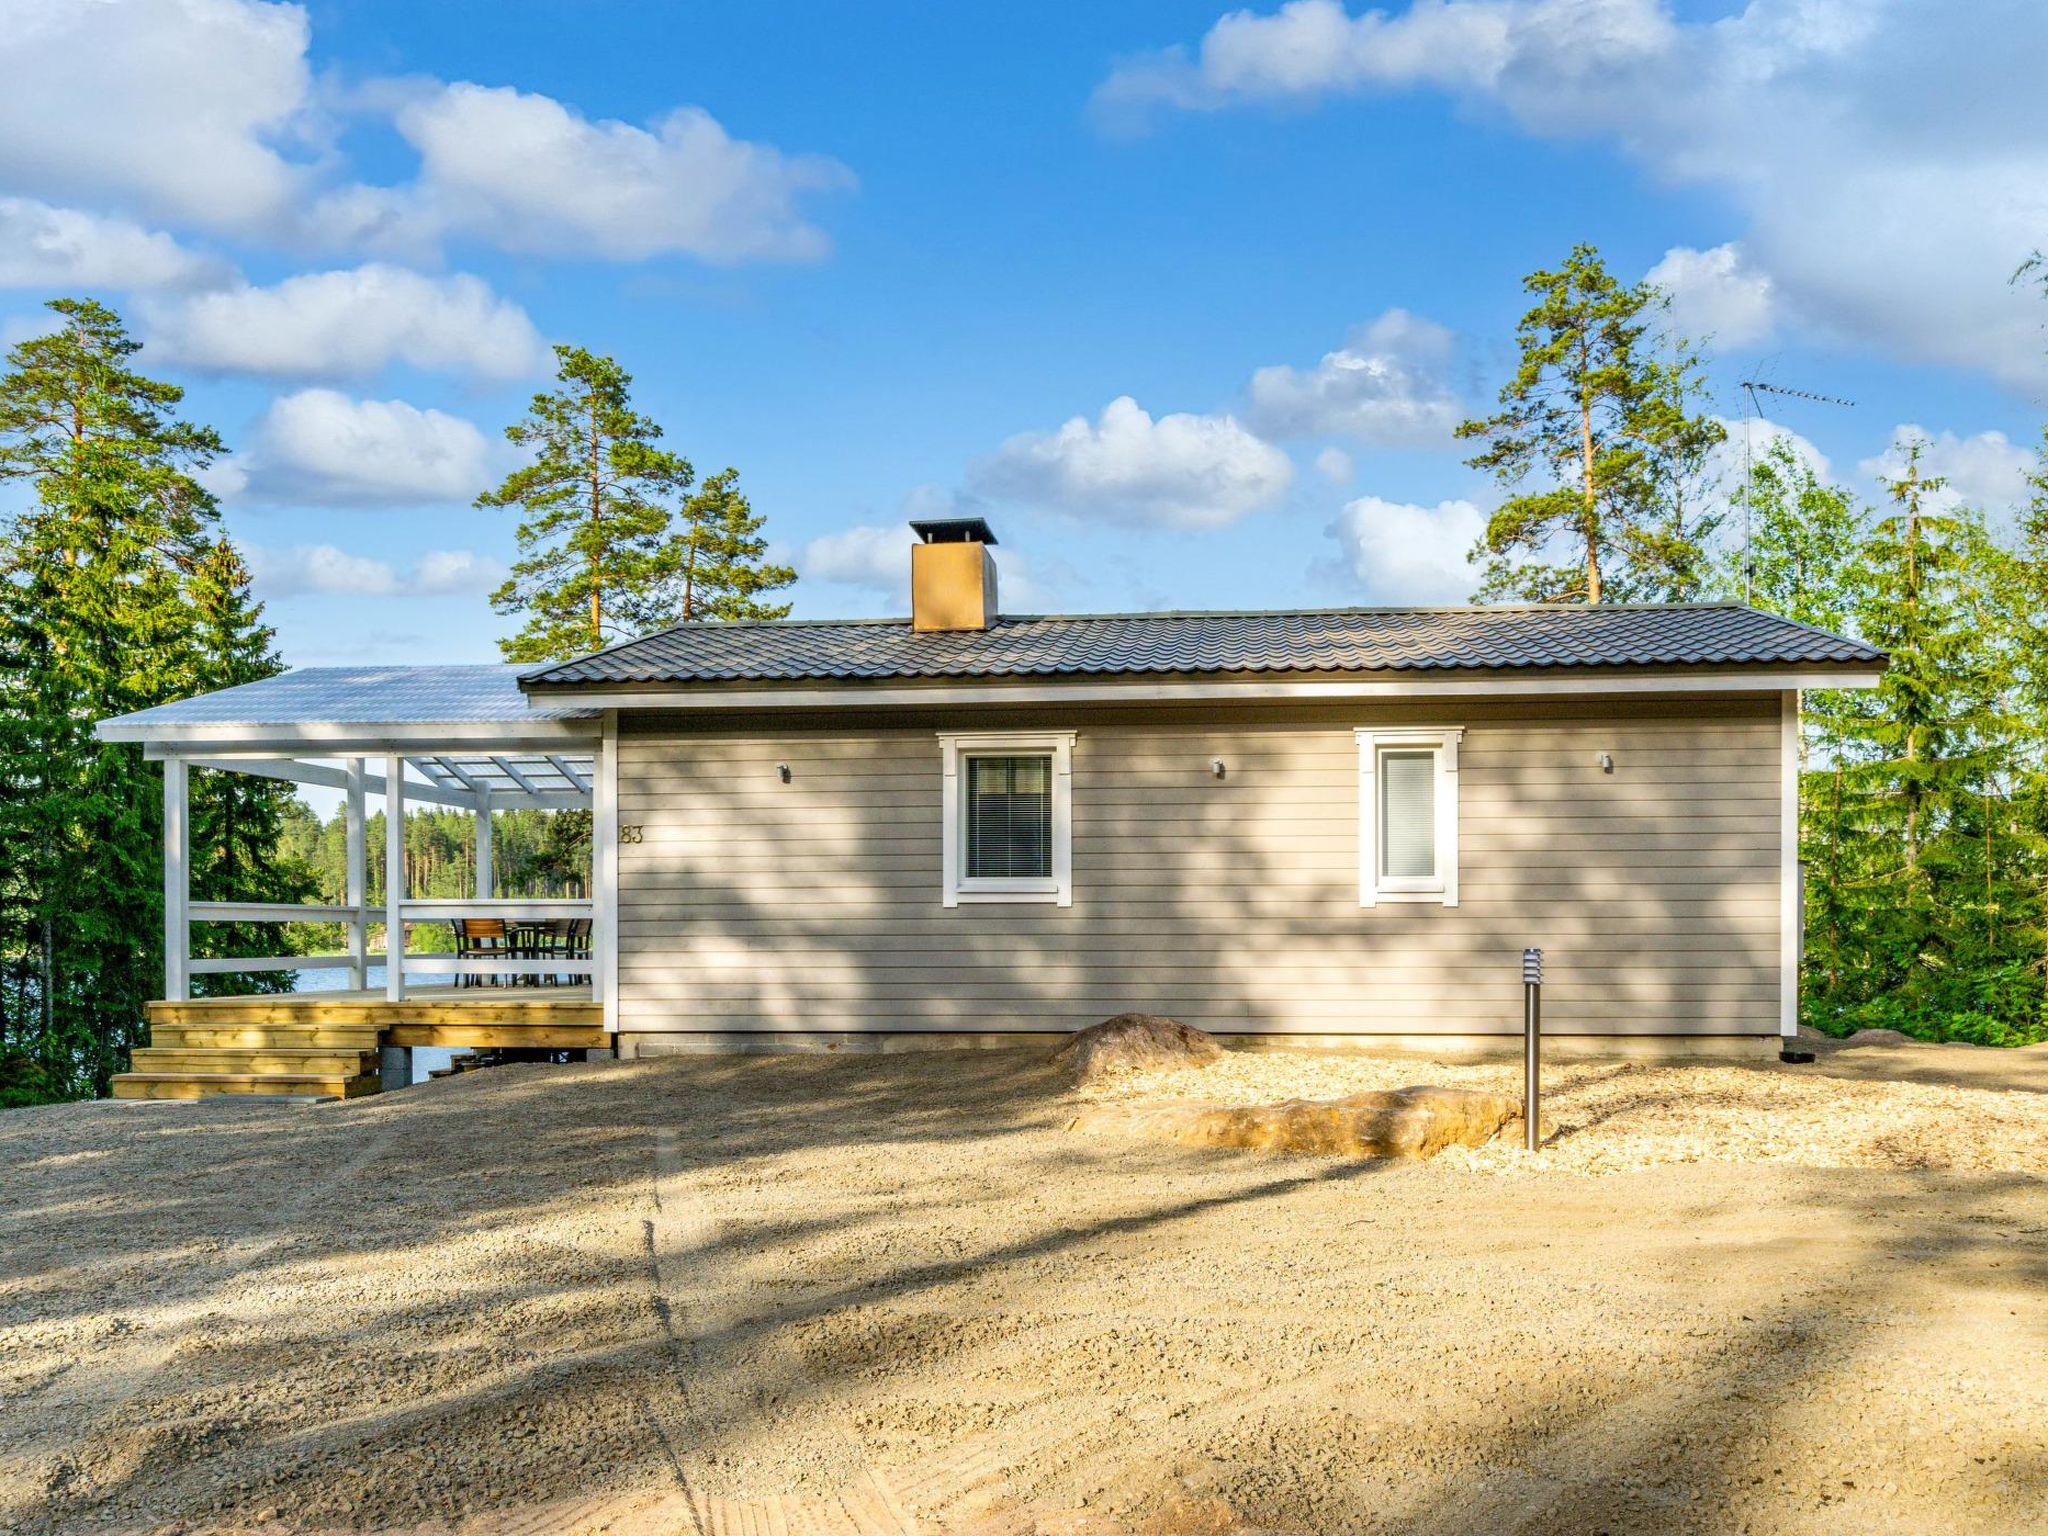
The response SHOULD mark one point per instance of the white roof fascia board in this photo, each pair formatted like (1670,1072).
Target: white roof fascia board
(351,740)
(866,696)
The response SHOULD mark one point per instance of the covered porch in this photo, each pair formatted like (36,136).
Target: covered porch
(526,972)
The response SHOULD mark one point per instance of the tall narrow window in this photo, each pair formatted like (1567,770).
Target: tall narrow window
(1408,816)
(1007,818)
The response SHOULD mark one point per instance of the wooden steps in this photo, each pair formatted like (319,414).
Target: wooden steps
(297,1043)
(254,1058)
(292,1037)
(200,1085)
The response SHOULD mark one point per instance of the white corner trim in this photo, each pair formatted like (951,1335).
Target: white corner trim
(1791,935)
(955,889)
(604,846)
(1443,740)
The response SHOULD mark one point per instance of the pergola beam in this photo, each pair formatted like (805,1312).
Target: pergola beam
(528,796)
(569,771)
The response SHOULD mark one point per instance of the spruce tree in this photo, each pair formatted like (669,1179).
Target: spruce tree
(596,504)
(238,820)
(1924,758)
(717,562)
(94,621)
(1802,563)
(1601,411)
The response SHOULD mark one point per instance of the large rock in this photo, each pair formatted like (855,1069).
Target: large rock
(1409,1122)
(1134,1042)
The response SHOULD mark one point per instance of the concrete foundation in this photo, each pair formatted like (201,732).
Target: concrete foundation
(394,1067)
(1508,1047)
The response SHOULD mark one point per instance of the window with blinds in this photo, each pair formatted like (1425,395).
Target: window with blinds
(1009,817)
(1408,815)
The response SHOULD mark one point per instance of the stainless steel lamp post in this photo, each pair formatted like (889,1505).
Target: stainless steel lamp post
(1532,1044)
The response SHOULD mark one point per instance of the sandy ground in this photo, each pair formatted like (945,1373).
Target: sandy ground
(787,1295)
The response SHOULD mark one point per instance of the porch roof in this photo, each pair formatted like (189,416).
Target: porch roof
(408,699)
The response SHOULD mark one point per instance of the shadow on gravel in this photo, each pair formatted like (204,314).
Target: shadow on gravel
(525,1370)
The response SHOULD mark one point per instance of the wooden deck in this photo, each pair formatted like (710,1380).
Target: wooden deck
(326,1043)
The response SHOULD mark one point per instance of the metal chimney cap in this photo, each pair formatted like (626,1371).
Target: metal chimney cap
(953,530)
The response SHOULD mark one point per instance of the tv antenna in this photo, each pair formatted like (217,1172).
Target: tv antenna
(1752,408)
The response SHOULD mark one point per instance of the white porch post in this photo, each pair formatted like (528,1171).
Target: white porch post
(355,836)
(485,879)
(394,878)
(177,880)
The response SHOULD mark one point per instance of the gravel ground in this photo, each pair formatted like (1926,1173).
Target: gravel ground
(560,1298)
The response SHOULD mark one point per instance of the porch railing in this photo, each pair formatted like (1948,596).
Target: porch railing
(360,957)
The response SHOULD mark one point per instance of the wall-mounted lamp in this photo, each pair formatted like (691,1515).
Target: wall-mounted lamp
(782,772)
(1216,767)
(1606,761)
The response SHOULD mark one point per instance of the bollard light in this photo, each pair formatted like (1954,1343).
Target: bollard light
(1532,1045)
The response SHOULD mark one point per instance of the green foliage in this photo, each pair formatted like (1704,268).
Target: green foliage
(716,566)
(612,545)
(238,820)
(1600,411)
(1922,800)
(116,593)
(595,502)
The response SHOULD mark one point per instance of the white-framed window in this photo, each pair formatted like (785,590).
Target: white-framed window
(1008,817)
(1408,814)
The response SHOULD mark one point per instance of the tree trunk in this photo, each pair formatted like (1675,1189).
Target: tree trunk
(596,542)
(1587,488)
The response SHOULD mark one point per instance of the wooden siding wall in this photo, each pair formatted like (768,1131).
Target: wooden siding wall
(1232,904)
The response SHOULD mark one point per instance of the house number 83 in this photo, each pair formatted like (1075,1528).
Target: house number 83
(629,834)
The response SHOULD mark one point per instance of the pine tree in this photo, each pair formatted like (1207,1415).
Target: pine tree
(94,621)
(717,565)
(595,503)
(1608,424)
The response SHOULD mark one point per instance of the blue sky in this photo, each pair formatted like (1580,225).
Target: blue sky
(1183,301)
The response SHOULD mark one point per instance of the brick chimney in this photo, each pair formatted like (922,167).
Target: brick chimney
(952,575)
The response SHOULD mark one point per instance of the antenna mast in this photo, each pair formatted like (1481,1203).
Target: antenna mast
(1751,409)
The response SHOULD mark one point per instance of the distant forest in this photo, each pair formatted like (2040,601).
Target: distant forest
(533,854)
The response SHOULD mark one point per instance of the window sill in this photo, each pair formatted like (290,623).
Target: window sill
(967,897)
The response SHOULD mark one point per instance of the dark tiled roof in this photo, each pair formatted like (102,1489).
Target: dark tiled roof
(1335,640)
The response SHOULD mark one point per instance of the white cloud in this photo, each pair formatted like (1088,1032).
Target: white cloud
(531,174)
(172,107)
(871,557)
(323,569)
(46,247)
(1335,465)
(1717,294)
(322,447)
(1987,471)
(1749,441)
(205,113)
(310,568)
(1400,552)
(349,324)
(1180,471)
(1891,164)
(1385,387)
(458,570)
